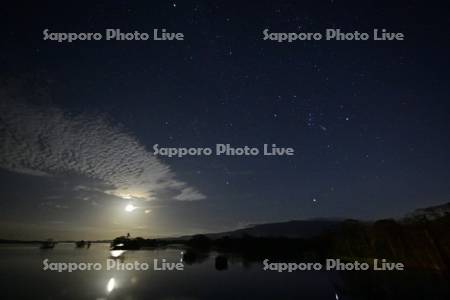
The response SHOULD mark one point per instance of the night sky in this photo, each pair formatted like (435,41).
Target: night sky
(369,120)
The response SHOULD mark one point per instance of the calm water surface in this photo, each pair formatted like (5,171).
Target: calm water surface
(22,277)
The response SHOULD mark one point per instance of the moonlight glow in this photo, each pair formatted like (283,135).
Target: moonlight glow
(130,207)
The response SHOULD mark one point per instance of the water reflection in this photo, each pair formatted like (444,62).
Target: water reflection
(191,257)
(111,285)
(200,279)
(117,253)
(221,263)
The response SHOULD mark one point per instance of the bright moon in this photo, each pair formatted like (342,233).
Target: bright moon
(130,208)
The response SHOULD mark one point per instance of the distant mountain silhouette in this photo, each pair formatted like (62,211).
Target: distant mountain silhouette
(289,229)
(420,242)
(315,227)
(429,213)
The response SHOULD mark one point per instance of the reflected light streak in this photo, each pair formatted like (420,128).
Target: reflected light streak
(111,285)
(117,253)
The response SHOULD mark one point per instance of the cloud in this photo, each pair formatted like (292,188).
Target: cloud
(45,141)
(189,194)
(29,171)
(54,205)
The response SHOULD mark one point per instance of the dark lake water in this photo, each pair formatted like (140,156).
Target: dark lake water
(22,277)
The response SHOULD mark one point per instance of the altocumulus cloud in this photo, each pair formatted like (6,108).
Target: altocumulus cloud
(43,141)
